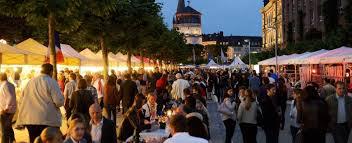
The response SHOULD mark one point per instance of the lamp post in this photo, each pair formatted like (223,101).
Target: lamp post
(249,52)
(276,39)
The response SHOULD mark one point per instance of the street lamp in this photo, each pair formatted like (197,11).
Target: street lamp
(3,41)
(249,51)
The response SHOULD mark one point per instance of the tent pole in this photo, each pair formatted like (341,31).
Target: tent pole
(295,73)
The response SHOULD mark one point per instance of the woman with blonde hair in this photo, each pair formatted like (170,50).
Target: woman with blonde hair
(247,117)
(76,131)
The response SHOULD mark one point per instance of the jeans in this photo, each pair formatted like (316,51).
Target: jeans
(34,131)
(230,129)
(341,133)
(294,131)
(272,135)
(249,132)
(110,111)
(7,134)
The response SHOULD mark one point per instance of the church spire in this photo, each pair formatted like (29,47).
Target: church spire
(181,5)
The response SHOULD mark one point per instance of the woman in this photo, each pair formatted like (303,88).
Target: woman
(50,135)
(196,128)
(313,115)
(294,127)
(282,99)
(110,99)
(149,111)
(76,132)
(132,122)
(229,117)
(247,116)
(81,100)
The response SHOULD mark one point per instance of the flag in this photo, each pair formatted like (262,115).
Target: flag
(223,58)
(59,55)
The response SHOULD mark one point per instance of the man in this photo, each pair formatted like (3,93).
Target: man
(327,89)
(271,79)
(127,93)
(178,126)
(91,88)
(7,109)
(99,86)
(254,82)
(70,87)
(178,86)
(271,115)
(40,105)
(102,130)
(340,108)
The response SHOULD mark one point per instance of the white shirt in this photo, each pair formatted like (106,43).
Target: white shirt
(341,111)
(147,108)
(100,88)
(7,97)
(70,87)
(271,80)
(177,88)
(96,131)
(184,137)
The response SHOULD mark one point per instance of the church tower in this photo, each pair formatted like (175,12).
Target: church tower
(188,21)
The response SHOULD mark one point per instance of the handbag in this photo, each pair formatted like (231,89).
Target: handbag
(224,110)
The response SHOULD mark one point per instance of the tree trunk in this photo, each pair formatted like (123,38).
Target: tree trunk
(105,58)
(142,61)
(51,45)
(129,63)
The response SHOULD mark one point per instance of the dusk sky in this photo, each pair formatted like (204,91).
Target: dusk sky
(236,17)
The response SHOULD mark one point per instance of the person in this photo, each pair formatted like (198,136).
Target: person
(254,83)
(50,135)
(149,110)
(312,114)
(229,117)
(61,81)
(262,90)
(161,83)
(80,101)
(327,89)
(294,125)
(127,93)
(41,100)
(281,94)
(178,86)
(98,83)
(7,109)
(70,87)
(247,116)
(196,127)
(271,115)
(110,98)
(132,121)
(197,95)
(178,127)
(91,88)
(75,132)
(102,130)
(271,79)
(340,108)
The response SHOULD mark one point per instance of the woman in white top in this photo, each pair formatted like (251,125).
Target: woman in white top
(229,117)
(247,117)
(293,114)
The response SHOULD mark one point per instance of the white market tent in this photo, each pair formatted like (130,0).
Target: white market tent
(338,57)
(212,64)
(303,59)
(316,59)
(13,56)
(237,63)
(92,59)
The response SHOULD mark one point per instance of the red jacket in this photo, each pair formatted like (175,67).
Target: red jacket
(161,83)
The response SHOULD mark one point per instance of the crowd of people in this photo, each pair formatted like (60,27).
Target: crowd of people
(178,99)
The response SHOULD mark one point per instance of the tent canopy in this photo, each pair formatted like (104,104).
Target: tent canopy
(338,57)
(316,58)
(14,56)
(237,63)
(212,64)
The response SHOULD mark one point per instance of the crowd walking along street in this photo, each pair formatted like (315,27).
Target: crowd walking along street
(175,71)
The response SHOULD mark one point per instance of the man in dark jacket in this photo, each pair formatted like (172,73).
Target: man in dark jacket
(127,93)
(102,130)
(340,107)
(271,115)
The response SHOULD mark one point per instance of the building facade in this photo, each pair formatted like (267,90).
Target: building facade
(189,22)
(271,24)
(234,46)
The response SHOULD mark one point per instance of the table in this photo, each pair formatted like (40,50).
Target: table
(156,136)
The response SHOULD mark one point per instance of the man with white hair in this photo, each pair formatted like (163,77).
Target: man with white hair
(178,86)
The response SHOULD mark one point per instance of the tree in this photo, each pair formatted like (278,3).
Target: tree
(51,15)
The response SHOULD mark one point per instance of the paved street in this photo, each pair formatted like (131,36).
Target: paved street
(217,129)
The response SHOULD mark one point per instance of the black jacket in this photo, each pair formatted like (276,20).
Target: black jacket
(80,102)
(128,91)
(271,116)
(108,134)
(313,114)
